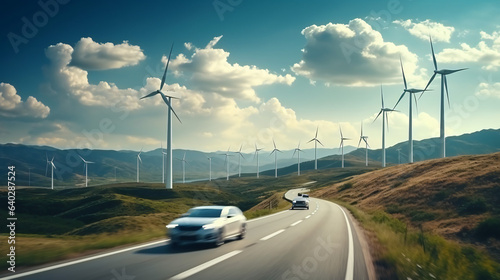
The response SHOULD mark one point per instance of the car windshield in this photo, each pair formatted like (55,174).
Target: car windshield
(205,213)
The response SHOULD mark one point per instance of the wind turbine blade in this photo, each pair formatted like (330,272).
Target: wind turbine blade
(139,157)
(53,165)
(360,138)
(382,96)
(168,104)
(240,148)
(294,153)
(403,71)
(46,167)
(430,81)
(52,159)
(311,140)
(320,142)
(377,116)
(446,87)
(416,103)
(316,132)
(367,143)
(341,136)
(166,68)
(184,157)
(401,97)
(433,56)
(387,120)
(453,71)
(81,158)
(274,143)
(149,95)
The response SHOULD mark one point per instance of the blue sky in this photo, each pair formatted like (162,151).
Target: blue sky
(246,71)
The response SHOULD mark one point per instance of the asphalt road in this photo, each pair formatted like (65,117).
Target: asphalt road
(293,244)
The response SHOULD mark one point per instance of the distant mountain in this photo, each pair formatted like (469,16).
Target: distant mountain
(30,161)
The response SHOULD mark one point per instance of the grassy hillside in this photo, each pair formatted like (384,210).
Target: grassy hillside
(455,198)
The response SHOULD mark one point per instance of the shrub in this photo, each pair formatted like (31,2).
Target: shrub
(488,228)
(345,187)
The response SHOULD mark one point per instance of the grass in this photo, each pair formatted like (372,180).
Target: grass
(413,253)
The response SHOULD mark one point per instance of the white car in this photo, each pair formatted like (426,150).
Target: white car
(207,224)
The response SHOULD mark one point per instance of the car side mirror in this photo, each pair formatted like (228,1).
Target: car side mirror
(230,216)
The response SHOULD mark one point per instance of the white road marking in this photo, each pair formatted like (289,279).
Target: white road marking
(268,216)
(272,235)
(307,217)
(82,260)
(350,255)
(204,266)
(296,223)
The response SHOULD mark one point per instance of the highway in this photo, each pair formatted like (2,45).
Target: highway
(294,244)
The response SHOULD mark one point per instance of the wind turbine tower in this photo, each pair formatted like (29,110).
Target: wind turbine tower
(410,91)
(316,141)
(342,138)
(86,163)
(383,111)
(138,159)
(184,161)
(52,170)
(365,139)
(168,101)
(239,160)
(297,150)
(275,151)
(444,85)
(257,154)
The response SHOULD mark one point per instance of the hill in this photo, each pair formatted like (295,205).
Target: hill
(457,198)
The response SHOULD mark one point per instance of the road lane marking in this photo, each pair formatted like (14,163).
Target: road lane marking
(307,217)
(296,223)
(349,274)
(268,216)
(204,266)
(272,235)
(82,260)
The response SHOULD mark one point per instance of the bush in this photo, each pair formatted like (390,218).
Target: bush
(474,205)
(345,187)
(489,228)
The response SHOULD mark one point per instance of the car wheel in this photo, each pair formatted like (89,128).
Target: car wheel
(242,232)
(220,238)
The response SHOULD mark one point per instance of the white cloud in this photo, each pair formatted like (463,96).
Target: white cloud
(188,45)
(11,104)
(90,55)
(426,28)
(488,90)
(210,71)
(485,53)
(67,79)
(354,55)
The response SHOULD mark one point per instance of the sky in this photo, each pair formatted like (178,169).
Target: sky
(246,72)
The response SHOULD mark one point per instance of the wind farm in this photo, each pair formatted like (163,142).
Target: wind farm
(416,197)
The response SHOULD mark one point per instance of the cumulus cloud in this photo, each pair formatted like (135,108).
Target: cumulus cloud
(90,55)
(210,71)
(354,55)
(12,106)
(488,90)
(426,28)
(487,52)
(72,80)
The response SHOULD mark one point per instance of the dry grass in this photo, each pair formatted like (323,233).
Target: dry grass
(443,202)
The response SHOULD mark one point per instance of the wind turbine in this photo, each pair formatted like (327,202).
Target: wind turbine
(138,159)
(52,170)
(86,163)
(257,154)
(239,160)
(342,138)
(444,84)
(210,168)
(227,163)
(162,163)
(275,151)
(364,138)
(184,161)
(297,150)
(316,141)
(167,99)
(385,119)
(399,155)
(410,91)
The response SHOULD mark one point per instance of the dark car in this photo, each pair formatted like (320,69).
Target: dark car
(300,202)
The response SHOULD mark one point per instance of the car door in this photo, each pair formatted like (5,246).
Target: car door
(233,224)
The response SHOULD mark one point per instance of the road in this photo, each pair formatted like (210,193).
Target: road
(293,244)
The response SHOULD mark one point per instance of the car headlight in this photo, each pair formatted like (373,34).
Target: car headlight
(209,226)
(294,201)
(171,226)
